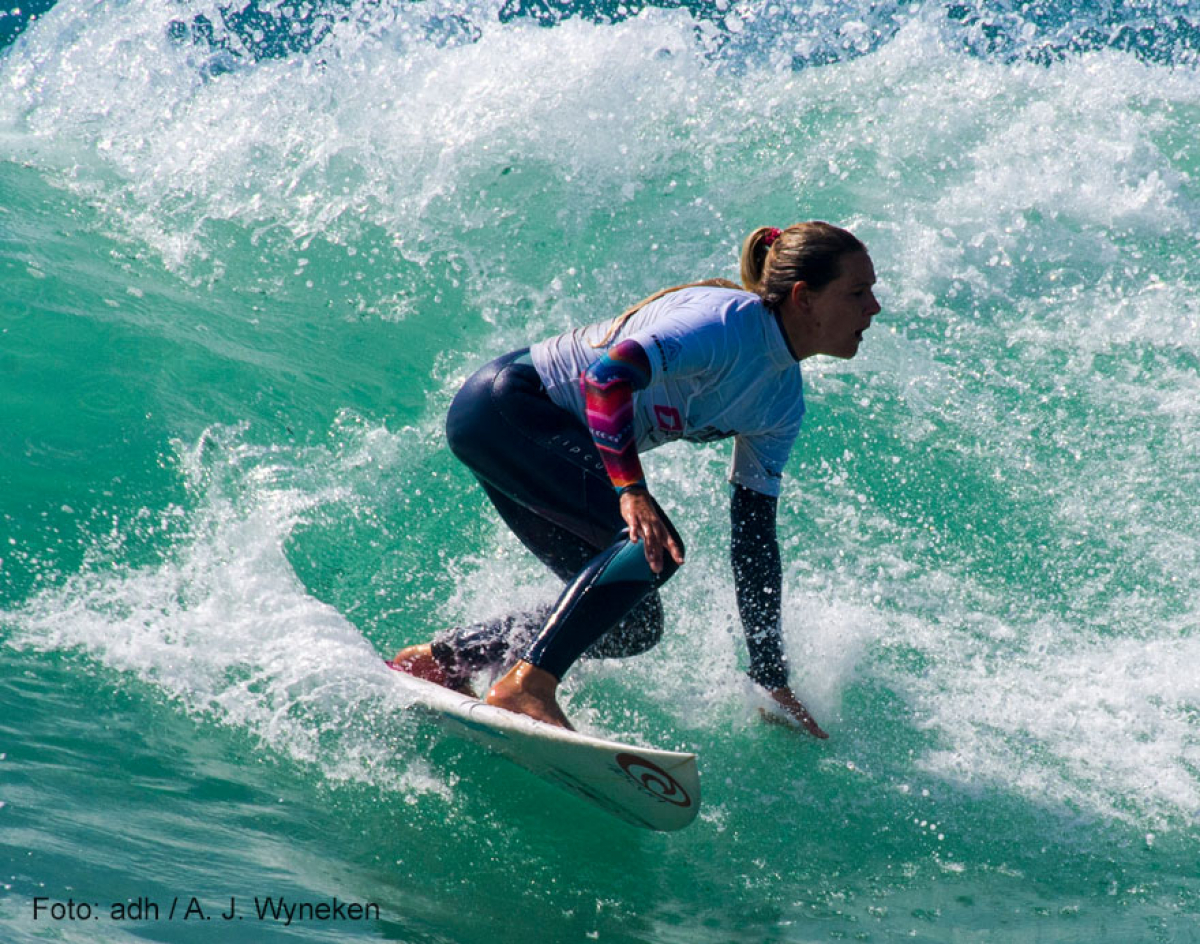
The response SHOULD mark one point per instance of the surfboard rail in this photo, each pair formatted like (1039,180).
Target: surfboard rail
(646,787)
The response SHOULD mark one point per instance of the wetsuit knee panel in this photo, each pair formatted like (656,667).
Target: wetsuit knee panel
(629,563)
(611,585)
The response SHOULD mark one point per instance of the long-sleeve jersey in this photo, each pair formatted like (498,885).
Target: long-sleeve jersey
(715,365)
(698,364)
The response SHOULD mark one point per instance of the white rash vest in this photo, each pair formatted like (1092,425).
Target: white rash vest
(720,367)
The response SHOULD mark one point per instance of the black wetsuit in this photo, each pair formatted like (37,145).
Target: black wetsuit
(540,468)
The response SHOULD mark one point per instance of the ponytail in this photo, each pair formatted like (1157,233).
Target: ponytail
(754,256)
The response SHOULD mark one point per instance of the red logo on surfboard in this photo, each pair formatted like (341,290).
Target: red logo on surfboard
(653,779)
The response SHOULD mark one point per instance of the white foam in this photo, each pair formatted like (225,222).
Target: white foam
(1105,727)
(373,127)
(223,626)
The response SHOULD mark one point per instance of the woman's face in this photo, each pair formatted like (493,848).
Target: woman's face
(832,320)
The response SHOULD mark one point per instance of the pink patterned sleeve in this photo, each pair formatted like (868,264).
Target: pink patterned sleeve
(608,387)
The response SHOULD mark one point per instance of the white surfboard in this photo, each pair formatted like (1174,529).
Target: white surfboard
(650,788)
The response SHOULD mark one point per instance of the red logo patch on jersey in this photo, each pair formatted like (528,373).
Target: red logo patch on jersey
(668,419)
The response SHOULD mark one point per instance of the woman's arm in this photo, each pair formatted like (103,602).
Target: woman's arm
(608,387)
(758,581)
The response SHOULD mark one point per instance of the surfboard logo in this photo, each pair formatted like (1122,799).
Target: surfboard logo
(653,779)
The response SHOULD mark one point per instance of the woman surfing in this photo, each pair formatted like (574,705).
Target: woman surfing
(553,434)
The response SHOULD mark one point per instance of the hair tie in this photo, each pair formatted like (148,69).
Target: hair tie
(772,235)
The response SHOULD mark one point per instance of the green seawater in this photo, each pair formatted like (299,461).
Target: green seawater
(239,284)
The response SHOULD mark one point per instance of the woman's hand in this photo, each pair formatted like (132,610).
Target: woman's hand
(795,713)
(646,525)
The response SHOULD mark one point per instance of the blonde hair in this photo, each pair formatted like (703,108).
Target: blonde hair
(804,252)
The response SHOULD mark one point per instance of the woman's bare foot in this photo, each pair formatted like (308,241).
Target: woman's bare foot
(418,661)
(529,691)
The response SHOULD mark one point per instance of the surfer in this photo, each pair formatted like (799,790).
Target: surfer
(553,434)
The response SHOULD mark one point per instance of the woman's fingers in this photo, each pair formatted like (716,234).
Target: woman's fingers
(674,547)
(800,715)
(650,533)
(647,527)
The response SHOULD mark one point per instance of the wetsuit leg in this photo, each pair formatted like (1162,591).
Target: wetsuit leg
(462,651)
(611,584)
(468,649)
(556,547)
(540,469)
(505,428)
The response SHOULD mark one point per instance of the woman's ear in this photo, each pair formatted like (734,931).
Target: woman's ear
(798,297)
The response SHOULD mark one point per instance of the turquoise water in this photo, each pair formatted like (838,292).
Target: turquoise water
(248,254)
